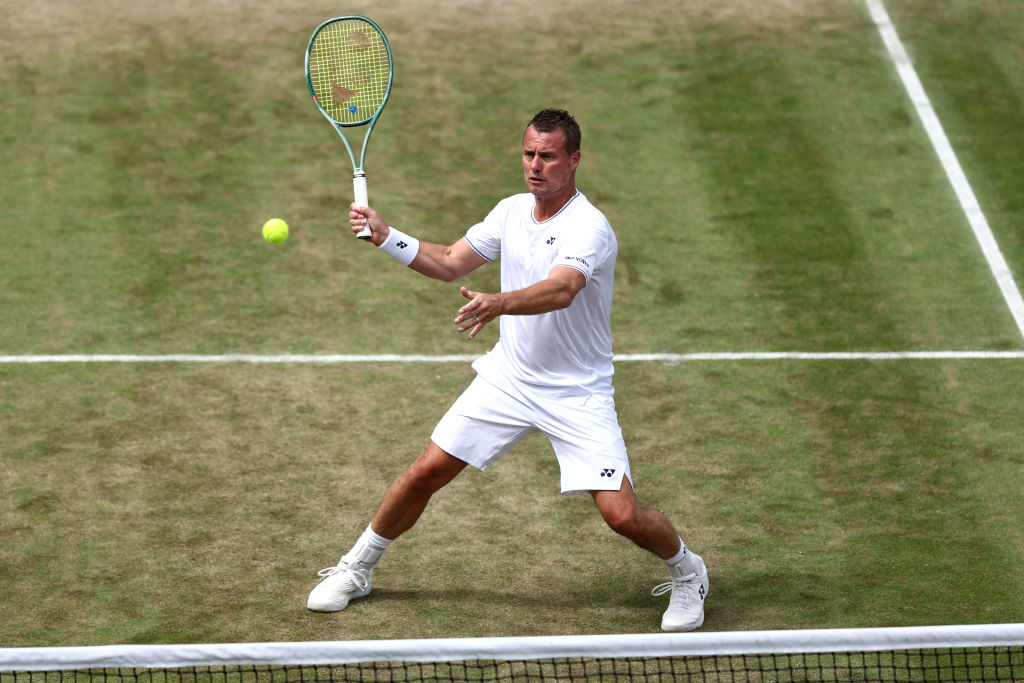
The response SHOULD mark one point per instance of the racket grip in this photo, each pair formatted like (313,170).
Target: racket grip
(362,199)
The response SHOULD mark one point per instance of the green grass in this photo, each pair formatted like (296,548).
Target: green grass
(771,188)
(193,503)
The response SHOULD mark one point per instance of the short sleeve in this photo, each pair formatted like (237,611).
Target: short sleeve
(583,249)
(485,237)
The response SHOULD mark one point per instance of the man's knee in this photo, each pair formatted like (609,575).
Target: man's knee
(620,515)
(432,470)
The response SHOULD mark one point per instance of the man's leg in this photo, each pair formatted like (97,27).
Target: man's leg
(647,527)
(652,530)
(407,497)
(404,501)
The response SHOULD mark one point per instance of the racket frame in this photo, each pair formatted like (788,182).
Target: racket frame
(358,173)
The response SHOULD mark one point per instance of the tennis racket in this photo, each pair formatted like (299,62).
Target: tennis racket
(349,73)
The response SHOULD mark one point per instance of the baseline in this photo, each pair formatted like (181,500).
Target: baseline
(330,359)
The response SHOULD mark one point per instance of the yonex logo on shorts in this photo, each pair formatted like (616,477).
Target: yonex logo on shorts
(607,473)
(551,240)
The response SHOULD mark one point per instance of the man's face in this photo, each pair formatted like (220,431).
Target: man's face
(547,167)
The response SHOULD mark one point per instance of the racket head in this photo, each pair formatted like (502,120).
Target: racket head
(349,70)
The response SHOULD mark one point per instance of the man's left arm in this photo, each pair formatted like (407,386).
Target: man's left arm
(554,293)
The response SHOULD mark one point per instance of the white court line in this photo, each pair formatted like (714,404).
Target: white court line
(940,142)
(329,359)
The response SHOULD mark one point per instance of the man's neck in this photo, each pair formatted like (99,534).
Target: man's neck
(546,207)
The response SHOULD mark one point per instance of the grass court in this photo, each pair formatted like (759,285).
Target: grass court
(772,189)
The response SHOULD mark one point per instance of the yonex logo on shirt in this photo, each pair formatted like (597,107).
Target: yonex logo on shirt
(551,240)
(607,473)
(577,258)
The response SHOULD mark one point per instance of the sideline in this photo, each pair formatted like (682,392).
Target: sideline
(969,203)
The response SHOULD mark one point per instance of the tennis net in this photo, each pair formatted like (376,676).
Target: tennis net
(927,653)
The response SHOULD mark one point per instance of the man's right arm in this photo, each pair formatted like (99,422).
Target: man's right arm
(446,263)
(433,260)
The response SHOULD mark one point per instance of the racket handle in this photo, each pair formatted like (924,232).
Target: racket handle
(362,199)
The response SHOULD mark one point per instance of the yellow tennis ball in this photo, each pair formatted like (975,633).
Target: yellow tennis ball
(275,231)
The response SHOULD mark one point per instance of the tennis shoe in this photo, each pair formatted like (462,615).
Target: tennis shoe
(341,584)
(686,605)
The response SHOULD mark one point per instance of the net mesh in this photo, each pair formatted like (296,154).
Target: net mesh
(924,654)
(349,69)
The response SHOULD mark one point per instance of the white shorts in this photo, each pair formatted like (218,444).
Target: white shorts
(488,419)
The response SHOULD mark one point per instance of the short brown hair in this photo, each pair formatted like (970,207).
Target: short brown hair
(550,120)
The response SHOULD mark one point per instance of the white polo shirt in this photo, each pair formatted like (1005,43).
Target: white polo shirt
(571,347)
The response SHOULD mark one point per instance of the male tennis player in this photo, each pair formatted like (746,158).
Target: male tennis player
(550,371)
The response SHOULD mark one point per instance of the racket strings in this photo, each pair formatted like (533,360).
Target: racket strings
(349,70)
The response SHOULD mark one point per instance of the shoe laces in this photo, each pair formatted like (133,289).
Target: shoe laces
(358,578)
(678,586)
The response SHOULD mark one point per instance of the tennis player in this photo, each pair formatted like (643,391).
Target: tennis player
(550,371)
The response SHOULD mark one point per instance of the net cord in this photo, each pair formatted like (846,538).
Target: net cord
(511,648)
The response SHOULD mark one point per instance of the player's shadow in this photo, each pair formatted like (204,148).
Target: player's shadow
(523,597)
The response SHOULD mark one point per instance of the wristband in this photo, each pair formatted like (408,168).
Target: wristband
(400,246)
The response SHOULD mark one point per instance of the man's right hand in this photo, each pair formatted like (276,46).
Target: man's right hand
(361,216)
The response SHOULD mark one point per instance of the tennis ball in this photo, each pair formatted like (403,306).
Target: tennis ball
(275,231)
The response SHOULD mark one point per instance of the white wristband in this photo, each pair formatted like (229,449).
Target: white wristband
(400,246)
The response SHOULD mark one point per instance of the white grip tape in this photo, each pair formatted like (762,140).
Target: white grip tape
(362,199)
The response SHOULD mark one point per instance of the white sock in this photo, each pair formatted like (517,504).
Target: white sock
(681,558)
(367,551)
